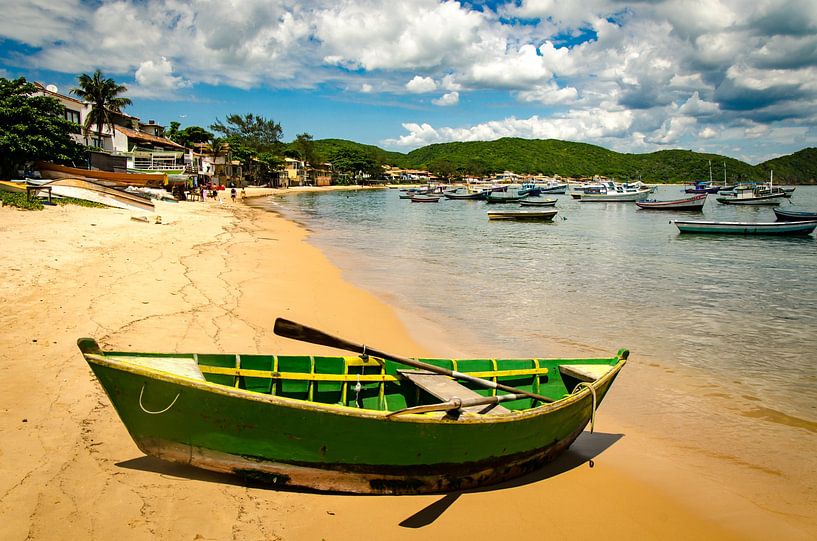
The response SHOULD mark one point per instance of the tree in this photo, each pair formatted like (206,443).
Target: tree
(33,128)
(103,95)
(255,132)
(189,135)
(305,146)
(217,146)
(350,162)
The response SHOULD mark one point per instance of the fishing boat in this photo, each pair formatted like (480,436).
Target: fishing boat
(537,202)
(690,203)
(794,215)
(613,193)
(465,193)
(752,195)
(538,215)
(530,188)
(362,424)
(706,186)
(425,198)
(702,187)
(747,228)
(511,195)
(554,188)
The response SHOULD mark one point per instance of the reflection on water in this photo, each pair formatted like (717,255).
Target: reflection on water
(605,275)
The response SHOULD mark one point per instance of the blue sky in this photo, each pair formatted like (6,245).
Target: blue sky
(726,76)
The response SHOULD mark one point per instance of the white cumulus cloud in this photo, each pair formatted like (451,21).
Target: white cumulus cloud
(420,85)
(449,98)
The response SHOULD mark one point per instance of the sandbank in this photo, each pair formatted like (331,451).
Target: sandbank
(212,277)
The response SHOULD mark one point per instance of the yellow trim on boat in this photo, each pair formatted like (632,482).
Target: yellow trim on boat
(303,376)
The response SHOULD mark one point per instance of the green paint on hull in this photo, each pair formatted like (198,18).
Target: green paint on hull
(267,435)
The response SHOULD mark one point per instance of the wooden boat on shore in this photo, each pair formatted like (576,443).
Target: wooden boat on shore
(105,178)
(746,228)
(536,202)
(690,203)
(97,193)
(12,187)
(794,215)
(538,215)
(353,424)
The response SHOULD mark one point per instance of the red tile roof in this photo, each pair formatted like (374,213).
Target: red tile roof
(133,134)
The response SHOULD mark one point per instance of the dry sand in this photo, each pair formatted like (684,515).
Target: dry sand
(212,277)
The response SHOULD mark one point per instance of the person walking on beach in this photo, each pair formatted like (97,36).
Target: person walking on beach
(232,194)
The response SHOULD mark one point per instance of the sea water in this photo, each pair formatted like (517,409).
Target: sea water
(739,309)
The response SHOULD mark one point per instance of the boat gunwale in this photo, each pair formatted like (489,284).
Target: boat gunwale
(433,418)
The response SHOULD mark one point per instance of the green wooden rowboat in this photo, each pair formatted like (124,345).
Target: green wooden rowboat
(348,423)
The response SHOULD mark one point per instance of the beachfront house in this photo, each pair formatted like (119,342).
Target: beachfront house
(128,145)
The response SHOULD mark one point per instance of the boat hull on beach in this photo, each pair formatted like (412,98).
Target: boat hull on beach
(335,423)
(105,178)
(90,191)
(747,228)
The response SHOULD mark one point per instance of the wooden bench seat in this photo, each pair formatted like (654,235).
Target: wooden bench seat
(445,389)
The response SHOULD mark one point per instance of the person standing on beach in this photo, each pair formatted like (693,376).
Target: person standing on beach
(232,194)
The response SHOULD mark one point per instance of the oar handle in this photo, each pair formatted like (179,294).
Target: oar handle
(290,329)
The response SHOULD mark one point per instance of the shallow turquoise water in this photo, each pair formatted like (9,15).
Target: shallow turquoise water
(605,275)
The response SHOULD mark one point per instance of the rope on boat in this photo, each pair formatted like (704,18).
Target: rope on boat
(155,412)
(357,388)
(583,384)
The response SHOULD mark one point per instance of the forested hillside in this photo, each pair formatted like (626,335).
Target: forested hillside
(569,159)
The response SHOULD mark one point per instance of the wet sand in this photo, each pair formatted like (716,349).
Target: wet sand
(213,277)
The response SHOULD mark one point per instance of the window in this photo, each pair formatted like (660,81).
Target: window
(73,116)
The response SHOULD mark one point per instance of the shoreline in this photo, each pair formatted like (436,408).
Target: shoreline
(207,279)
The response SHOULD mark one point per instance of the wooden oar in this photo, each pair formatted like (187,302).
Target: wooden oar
(457,403)
(296,331)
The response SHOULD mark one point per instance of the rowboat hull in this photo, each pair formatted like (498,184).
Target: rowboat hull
(106,178)
(538,215)
(470,195)
(283,441)
(90,191)
(785,215)
(747,228)
(771,199)
(690,203)
(538,203)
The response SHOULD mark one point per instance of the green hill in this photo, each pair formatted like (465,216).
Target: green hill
(797,168)
(569,159)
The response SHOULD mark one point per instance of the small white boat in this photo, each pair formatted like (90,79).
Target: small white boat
(746,228)
(614,193)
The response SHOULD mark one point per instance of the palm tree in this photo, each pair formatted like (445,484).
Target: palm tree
(103,95)
(217,146)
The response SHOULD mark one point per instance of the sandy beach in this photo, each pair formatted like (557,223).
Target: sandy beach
(213,277)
